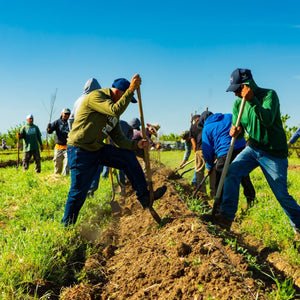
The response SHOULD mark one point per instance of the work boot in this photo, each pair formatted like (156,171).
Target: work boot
(217,219)
(157,194)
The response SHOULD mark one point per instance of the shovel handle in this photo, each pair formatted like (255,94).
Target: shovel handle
(229,154)
(146,152)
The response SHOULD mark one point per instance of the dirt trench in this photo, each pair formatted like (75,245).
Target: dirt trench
(184,259)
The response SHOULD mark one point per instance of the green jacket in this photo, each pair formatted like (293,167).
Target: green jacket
(98,117)
(32,137)
(261,119)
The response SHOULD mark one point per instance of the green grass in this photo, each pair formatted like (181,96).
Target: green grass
(35,249)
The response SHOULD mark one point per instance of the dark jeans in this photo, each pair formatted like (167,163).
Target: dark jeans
(84,164)
(247,185)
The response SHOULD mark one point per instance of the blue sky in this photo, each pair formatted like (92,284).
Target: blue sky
(184,51)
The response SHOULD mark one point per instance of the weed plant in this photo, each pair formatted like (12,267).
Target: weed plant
(36,250)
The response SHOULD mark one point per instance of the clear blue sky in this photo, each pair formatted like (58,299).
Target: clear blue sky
(184,51)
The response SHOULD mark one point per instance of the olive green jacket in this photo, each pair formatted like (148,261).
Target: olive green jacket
(261,119)
(97,118)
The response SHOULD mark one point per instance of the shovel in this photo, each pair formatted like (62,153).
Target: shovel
(154,214)
(18,148)
(115,206)
(175,175)
(217,202)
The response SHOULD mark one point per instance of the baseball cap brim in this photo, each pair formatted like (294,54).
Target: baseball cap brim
(233,87)
(133,100)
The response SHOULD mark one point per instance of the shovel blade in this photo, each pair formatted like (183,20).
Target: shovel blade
(115,206)
(155,215)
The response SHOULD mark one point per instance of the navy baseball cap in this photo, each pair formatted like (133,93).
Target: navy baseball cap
(122,84)
(238,77)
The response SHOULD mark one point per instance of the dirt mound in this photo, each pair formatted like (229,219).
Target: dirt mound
(137,259)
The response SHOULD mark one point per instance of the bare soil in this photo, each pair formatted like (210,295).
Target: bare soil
(184,259)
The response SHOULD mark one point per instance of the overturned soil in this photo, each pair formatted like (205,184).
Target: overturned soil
(183,259)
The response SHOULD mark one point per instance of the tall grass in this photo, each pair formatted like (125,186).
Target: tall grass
(35,249)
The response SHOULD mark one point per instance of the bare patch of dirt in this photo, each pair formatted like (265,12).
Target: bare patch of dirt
(11,163)
(137,259)
(294,167)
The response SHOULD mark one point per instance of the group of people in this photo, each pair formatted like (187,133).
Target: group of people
(96,117)
(93,136)
(267,148)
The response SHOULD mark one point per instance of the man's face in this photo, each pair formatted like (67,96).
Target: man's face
(30,121)
(238,92)
(117,95)
(65,116)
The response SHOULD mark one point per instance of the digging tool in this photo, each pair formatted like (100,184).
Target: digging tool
(298,148)
(18,149)
(119,186)
(154,214)
(187,163)
(175,175)
(115,206)
(217,202)
(199,186)
(188,170)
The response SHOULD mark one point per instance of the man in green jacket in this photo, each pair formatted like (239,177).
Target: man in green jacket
(267,148)
(32,139)
(96,119)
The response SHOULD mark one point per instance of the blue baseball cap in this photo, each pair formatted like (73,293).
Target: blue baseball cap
(238,77)
(122,84)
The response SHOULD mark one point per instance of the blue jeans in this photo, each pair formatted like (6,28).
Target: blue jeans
(275,171)
(105,172)
(84,164)
(95,182)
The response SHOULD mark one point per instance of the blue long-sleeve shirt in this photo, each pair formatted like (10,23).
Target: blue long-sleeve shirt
(216,139)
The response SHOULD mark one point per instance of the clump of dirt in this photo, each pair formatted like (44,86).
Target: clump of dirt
(138,259)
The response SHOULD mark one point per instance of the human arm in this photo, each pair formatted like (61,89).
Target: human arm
(295,137)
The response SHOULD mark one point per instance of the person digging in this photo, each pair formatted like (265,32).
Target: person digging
(267,149)
(96,119)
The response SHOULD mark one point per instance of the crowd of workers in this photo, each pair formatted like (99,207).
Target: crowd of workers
(86,140)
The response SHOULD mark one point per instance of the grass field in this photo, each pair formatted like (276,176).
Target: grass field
(37,250)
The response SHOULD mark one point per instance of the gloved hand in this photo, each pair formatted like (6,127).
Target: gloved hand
(42,148)
(18,135)
(289,144)
(48,127)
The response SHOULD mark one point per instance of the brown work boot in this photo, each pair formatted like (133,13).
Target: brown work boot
(217,219)
(157,194)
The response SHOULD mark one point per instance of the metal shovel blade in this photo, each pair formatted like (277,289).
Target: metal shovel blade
(115,206)
(155,215)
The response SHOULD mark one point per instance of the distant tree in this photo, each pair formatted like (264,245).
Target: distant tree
(170,137)
(289,131)
(11,135)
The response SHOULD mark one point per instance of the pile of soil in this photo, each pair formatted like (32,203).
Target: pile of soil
(183,259)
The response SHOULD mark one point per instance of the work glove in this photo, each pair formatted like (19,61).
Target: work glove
(48,127)
(18,135)
(42,148)
(289,144)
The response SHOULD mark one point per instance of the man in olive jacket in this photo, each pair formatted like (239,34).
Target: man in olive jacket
(96,119)
(267,148)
